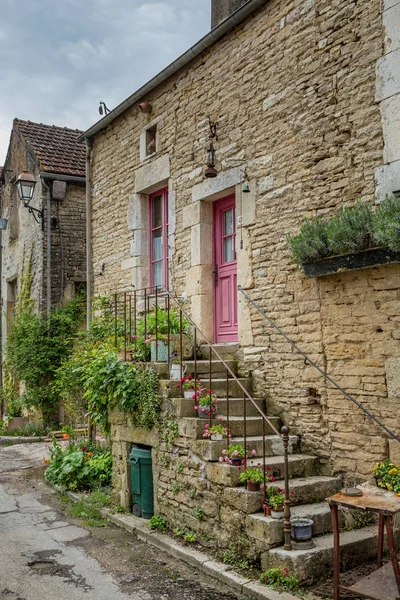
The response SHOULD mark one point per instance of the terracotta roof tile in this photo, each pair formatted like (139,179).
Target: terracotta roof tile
(56,148)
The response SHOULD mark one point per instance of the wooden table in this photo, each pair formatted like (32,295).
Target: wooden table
(383,584)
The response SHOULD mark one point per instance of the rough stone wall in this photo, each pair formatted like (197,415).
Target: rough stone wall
(186,490)
(293,90)
(22,231)
(68,246)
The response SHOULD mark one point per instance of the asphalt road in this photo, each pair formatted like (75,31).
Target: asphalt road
(44,554)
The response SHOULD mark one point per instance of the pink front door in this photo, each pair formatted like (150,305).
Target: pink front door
(225,271)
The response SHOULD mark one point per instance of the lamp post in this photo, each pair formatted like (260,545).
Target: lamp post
(26,186)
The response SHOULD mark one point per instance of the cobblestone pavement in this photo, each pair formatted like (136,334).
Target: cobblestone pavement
(44,553)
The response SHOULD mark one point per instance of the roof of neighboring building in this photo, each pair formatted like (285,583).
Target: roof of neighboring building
(238,16)
(57,149)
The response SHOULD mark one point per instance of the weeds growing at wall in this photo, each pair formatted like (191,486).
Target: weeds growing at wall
(353,229)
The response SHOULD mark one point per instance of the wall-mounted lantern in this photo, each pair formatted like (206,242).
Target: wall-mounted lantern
(26,186)
(211,171)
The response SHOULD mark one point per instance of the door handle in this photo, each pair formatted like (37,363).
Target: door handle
(215,272)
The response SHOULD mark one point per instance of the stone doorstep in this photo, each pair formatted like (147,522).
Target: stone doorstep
(299,466)
(194,427)
(211,450)
(183,407)
(202,368)
(195,558)
(229,351)
(356,547)
(269,532)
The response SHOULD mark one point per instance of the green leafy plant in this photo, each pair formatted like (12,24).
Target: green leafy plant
(36,347)
(180,467)
(89,508)
(253,474)
(157,522)
(176,488)
(234,556)
(353,229)
(198,513)
(78,465)
(279,579)
(179,532)
(277,501)
(386,223)
(169,430)
(190,538)
(215,430)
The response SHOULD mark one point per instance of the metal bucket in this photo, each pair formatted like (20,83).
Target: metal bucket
(301,528)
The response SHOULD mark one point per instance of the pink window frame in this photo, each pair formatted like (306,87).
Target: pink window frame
(164,236)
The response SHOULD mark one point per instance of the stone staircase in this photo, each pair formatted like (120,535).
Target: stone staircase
(308,489)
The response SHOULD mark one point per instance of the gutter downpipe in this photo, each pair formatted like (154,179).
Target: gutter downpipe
(215,34)
(88,234)
(48,246)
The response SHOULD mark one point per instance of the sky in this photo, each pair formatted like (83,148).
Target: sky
(59,58)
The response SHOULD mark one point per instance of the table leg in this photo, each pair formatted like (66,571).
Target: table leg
(380,539)
(392,549)
(336,552)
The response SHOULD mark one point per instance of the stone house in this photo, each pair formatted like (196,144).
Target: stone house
(54,231)
(301,103)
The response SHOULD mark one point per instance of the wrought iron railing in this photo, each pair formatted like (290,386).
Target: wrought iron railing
(135,306)
(315,366)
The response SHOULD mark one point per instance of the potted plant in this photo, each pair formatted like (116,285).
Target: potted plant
(216,432)
(161,324)
(206,403)
(190,385)
(270,491)
(387,475)
(15,420)
(234,455)
(253,477)
(277,504)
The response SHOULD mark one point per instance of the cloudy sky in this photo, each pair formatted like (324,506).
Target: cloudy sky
(59,58)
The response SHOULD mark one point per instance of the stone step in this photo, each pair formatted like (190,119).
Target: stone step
(230,351)
(183,407)
(273,446)
(218,369)
(356,548)
(218,386)
(267,532)
(307,490)
(212,450)
(202,368)
(299,466)
(194,427)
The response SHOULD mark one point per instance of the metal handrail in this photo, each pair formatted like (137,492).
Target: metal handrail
(154,293)
(313,364)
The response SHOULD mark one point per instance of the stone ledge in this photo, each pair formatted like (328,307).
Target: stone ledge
(13,440)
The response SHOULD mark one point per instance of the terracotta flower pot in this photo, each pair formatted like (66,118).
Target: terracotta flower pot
(253,486)
(267,510)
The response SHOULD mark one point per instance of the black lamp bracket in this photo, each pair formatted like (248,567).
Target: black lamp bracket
(38,215)
(213,129)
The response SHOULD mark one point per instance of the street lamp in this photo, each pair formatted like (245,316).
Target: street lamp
(26,186)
